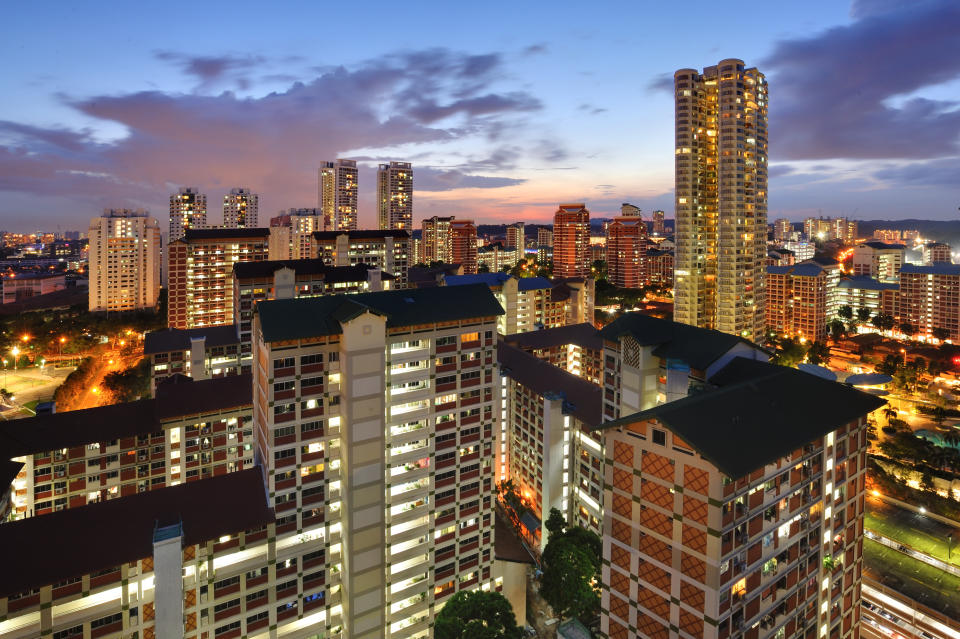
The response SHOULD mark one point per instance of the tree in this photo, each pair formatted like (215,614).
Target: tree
(940,333)
(569,580)
(818,353)
(477,615)
(939,414)
(886,322)
(789,352)
(846,312)
(130,384)
(483,268)
(863,314)
(837,330)
(908,329)
(889,413)
(555,522)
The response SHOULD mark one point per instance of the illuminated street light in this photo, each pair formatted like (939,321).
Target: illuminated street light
(15,352)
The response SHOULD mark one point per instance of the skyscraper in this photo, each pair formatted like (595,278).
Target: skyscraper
(188,210)
(337,195)
(571,241)
(721,191)
(240,209)
(395,196)
(516,237)
(658,226)
(463,245)
(124,261)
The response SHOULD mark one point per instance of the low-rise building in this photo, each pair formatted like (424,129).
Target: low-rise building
(934,252)
(19,287)
(861,291)
(879,260)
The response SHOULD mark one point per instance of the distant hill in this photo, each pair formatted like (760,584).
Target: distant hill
(940,230)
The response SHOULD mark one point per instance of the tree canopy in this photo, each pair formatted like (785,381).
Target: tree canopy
(476,615)
(571,573)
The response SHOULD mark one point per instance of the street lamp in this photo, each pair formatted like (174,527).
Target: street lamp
(15,351)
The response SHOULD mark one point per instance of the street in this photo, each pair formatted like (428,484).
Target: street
(30,385)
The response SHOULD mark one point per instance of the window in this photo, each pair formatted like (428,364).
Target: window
(307,360)
(446,341)
(286,431)
(284,453)
(659,437)
(284,362)
(227,628)
(311,381)
(470,337)
(279,387)
(282,409)
(226,605)
(310,427)
(106,621)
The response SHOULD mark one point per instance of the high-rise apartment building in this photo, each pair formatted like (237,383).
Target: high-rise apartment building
(463,245)
(879,260)
(435,240)
(845,230)
(782,230)
(888,236)
(124,261)
(797,300)
(401,384)
(722,527)
(291,234)
(200,268)
(544,245)
(395,196)
(658,226)
(936,252)
(627,249)
(721,191)
(188,210)
(337,195)
(516,236)
(386,250)
(571,241)
(930,298)
(241,209)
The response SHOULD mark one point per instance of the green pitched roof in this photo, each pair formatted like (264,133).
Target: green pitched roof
(314,316)
(698,347)
(765,413)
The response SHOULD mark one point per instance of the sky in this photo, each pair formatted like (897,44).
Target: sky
(505,108)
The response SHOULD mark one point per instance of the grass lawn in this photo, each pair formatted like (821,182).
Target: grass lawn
(919,581)
(925,534)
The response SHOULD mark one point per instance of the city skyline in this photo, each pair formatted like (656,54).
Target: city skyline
(501,123)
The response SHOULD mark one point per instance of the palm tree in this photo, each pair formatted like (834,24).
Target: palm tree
(889,413)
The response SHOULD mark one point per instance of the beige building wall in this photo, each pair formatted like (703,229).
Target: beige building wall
(124,261)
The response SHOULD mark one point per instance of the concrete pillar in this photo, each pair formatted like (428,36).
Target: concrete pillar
(168,581)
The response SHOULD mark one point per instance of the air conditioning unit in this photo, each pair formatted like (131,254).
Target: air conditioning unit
(59,491)
(59,473)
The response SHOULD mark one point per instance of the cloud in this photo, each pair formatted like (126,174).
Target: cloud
(211,70)
(661,83)
(853,91)
(535,49)
(591,109)
(400,105)
(432,179)
(778,170)
(941,172)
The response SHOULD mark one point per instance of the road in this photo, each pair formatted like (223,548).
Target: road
(94,395)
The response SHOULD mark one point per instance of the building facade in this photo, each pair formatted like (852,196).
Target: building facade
(659,228)
(721,191)
(750,534)
(388,251)
(409,378)
(930,299)
(188,210)
(879,260)
(435,243)
(782,230)
(395,196)
(797,301)
(626,249)
(571,241)
(463,245)
(241,209)
(515,236)
(19,287)
(197,353)
(291,234)
(337,197)
(124,261)
(200,268)
(934,252)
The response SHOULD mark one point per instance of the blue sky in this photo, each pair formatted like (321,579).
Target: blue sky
(505,109)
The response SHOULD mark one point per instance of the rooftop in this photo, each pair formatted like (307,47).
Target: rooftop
(178,339)
(580,334)
(64,298)
(581,398)
(362,234)
(698,347)
(487,279)
(225,234)
(354,273)
(865,282)
(877,244)
(56,431)
(314,316)
(754,418)
(937,268)
(807,268)
(118,531)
